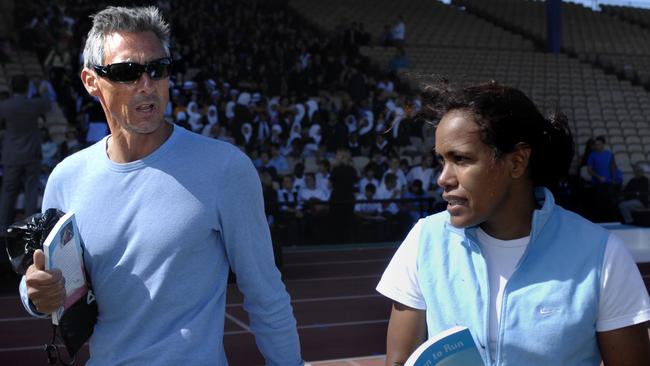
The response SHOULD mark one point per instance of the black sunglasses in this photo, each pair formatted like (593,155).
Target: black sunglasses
(127,72)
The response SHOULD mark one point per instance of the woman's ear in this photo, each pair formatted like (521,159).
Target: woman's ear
(89,80)
(519,160)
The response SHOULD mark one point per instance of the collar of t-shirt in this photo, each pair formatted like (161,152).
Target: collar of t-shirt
(501,256)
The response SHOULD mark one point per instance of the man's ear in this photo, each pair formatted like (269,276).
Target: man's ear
(519,160)
(89,80)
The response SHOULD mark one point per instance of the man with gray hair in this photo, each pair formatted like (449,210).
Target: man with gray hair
(163,213)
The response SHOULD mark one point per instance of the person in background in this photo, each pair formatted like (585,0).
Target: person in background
(399,32)
(323,176)
(535,284)
(389,190)
(423,172)
(368,211)
(400,177)
(419,207)
(290,210)
(368,178)
(343,179)
(602,168)
(270,196)
(635,193)
(71,143)
(21,149)
(314,202)
(162,220)
(311,193)
(49,149)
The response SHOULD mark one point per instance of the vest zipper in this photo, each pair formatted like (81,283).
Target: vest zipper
(486,310)
(504,300)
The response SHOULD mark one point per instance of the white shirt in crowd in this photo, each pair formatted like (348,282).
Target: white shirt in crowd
(367,208)
(307,194)
(423,174)
(322,181)
(363,182)
(401,179)
(288,199)
(384,193)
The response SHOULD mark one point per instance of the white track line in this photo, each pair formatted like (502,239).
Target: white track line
(236,332)
(30,348)
(322,325)
(20,319)
(317,299)
(343,324)
(18,349)
(341,278)
(238,322)
(326,250)
(357,261)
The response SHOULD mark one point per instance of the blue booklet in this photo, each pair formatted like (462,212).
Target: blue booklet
(453,347)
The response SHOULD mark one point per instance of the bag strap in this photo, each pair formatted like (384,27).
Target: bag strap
(52,351)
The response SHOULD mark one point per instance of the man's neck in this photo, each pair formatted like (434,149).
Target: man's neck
(124,147)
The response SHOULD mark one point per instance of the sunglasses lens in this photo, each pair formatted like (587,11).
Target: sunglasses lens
(159,69)
(125,72)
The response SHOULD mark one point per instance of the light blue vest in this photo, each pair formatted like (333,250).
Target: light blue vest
(550,304)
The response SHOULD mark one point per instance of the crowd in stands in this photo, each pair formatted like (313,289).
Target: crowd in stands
(261,78)
(328,133)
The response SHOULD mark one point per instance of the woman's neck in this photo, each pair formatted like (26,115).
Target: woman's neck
(515,217)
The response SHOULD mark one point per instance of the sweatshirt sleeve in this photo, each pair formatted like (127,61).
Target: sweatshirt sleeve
(250,253)
(26,303)
(48,201)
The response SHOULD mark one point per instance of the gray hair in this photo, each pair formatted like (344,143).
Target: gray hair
(122,19)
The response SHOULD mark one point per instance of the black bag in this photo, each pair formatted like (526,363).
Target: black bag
(78,321)
(25,236)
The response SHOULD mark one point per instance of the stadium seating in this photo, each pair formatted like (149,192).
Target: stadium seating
(618,38)
(590,98)
(463,47)
(634,15)
(429,23)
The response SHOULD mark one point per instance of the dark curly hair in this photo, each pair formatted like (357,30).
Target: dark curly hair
(507,117)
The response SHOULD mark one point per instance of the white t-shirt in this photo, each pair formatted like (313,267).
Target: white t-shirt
(367,208)
(623,300)
(424,175)
(401,178)
(363,182)
(384,193)
(501,257)
(306,194)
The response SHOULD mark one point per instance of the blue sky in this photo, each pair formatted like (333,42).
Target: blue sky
(594,4)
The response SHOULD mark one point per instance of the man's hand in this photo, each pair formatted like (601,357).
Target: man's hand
(45,289)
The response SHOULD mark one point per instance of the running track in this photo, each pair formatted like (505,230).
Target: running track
(339,314)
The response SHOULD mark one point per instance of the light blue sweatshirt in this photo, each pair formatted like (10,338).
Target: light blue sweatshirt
(160,235)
